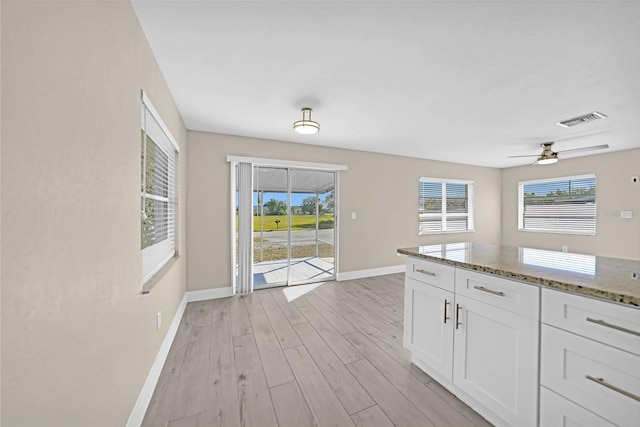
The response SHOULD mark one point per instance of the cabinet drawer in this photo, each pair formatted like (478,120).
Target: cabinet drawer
(593,375)
(556,411)
(607,322)
(515,297)
(430,272)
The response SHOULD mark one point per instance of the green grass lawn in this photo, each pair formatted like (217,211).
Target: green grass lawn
(298,222)
(276,254)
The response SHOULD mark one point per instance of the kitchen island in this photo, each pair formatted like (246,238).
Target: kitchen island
(527,336)
(611,279)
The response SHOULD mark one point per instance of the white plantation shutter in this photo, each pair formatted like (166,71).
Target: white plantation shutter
(445,206)
(559,205)
(158,192)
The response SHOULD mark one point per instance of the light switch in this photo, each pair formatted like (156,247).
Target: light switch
(626,214)
(353,215)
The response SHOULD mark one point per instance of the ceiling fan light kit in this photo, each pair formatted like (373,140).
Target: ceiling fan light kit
(549,157)
(549,160)
(306,126)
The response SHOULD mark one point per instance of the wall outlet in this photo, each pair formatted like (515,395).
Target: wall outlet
(565,248)
(353,215)
(626,214)
(158,320)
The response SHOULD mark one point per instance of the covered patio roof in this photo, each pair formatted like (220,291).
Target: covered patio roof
(274,180)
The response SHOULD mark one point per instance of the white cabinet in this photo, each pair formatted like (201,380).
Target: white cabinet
(478,336)
(441,276)
(605,322)
(428,328)
(521,355)
(496,345)
(496,360)
(558,411)
(516,297)
(590,357)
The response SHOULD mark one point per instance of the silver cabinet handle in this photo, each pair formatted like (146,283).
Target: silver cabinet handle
(491,291)
(612,326)
(446,303)
(428,273)
(602,382)
(458,316)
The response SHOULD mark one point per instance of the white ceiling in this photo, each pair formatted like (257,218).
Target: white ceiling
(466,82)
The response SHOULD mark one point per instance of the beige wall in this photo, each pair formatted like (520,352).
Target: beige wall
(0,211)
(381,189)
(78,338)
(615,237)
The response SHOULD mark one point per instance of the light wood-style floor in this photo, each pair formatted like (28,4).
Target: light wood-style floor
(331,357)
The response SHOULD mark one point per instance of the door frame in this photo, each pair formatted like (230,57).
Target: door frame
(288,164)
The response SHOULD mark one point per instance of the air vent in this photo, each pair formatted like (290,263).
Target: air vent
(581,119)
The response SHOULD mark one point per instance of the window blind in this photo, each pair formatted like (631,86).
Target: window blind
(158,192)
(444,206)
(559,205)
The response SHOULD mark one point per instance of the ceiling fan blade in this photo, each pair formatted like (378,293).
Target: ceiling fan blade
(526,155)
(576,150)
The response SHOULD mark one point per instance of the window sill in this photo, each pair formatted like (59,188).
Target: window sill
(156,278)
(445,232)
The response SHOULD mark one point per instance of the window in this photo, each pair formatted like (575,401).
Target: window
(445,206)
(158,216)
(559,205)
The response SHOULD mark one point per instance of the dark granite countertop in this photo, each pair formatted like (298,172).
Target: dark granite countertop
(609,279)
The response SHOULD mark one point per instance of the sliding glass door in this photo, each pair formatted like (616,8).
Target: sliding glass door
(312,226)
(293,226)
(270,226)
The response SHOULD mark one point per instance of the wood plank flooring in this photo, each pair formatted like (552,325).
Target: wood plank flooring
(331,357)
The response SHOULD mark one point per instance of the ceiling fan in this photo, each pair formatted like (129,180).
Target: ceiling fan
(549,156)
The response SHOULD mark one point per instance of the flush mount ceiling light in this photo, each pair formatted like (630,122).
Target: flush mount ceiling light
(306,126)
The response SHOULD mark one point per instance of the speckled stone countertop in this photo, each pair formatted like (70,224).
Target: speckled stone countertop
(610,279)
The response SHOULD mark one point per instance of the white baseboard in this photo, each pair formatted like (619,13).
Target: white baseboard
(140,408)
(206,294)
(359,274)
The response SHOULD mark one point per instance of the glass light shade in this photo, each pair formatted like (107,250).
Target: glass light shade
(547,161)
(306,126)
